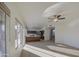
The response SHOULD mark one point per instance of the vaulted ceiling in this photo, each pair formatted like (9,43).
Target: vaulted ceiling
(32,13)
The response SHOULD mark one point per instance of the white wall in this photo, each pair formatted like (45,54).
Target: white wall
(67,31)
(11,44)
(46,33)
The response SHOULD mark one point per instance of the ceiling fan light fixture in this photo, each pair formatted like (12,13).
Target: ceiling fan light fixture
(55,20)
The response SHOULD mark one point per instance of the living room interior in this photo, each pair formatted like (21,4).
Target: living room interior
(39,29)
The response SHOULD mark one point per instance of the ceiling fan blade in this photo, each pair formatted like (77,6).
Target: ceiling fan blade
(58,16)
(51,18)
(61,18)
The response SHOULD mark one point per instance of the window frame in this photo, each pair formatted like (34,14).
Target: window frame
(20,33)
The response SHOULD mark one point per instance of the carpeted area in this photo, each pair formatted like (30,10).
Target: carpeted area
(32,51)
(59,48)
(41,44)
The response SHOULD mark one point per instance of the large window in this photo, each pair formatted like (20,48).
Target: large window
(2,33)
(18,34)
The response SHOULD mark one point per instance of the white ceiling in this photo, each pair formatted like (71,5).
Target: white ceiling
(32,13)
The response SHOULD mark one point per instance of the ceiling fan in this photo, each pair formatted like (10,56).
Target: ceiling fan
(56,18)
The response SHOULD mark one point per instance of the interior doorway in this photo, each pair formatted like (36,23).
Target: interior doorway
(52,34)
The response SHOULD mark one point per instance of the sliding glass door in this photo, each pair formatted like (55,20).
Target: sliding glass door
(2,34)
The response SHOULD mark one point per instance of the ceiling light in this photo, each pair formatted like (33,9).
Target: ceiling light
(55,20)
